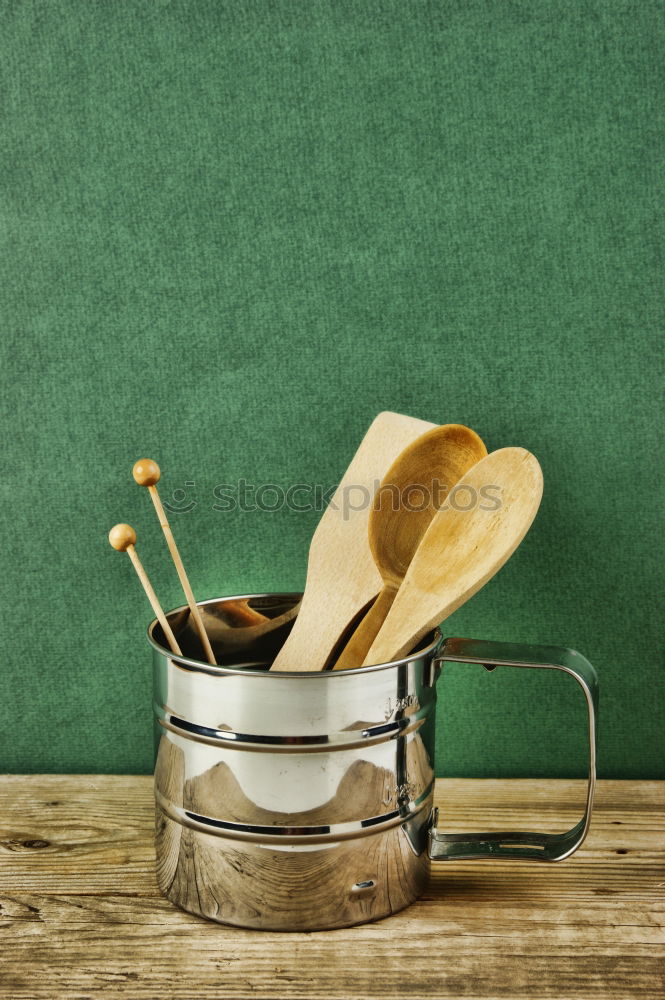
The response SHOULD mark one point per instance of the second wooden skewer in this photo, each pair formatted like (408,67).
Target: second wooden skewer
(123,539)
(147,473)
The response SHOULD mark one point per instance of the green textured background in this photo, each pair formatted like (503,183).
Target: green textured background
(231,234)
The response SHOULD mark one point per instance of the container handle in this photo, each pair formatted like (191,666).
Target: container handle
(520,846)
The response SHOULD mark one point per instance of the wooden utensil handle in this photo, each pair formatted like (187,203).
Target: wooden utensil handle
(154,603)
(360,642)
(180,569)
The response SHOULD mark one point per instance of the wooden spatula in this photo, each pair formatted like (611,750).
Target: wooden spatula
(462,549)
(341,575)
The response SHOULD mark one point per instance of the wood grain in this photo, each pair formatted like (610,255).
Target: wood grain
(254,885)
(81,916)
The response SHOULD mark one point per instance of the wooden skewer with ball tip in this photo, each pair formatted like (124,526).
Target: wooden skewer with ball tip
(123,538)
(147,473)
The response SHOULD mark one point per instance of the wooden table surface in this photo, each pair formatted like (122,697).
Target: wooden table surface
(81,916)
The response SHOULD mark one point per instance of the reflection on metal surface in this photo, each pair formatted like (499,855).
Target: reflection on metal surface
(283,804)
(301,801)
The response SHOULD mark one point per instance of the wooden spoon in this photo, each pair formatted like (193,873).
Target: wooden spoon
(341,575)
(462,549)
(412,491)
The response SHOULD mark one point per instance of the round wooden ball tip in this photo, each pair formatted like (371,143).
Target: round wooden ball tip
(121,536)
(146,472)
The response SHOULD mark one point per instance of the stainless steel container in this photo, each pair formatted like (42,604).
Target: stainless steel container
(304,801)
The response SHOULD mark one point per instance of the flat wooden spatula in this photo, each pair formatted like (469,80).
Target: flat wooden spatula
(342,577)
(462,548)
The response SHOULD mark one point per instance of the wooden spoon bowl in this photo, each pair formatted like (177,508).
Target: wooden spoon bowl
(467,542)
(413,489)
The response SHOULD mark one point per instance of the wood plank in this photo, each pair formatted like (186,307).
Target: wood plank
(81,916)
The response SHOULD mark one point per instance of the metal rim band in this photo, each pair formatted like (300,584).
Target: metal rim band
(301,675)
(294,835)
